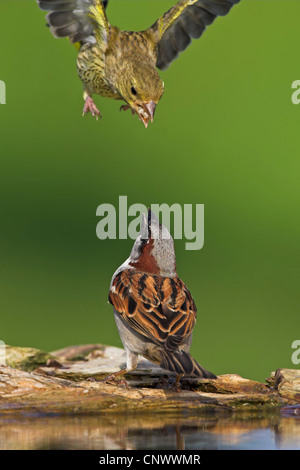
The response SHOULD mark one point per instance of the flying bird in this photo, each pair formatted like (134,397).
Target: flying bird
(123,64)
(153,308)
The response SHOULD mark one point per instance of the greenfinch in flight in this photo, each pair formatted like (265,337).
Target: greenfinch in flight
(123,64)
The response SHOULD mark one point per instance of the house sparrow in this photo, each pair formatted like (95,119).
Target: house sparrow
(154,310)
(122,64)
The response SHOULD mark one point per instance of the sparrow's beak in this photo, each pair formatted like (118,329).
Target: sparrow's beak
(146,112)
(144,227)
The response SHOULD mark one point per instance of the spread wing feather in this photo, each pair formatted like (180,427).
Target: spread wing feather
(72,18)
(185,21)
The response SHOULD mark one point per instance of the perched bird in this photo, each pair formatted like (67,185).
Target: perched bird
(123,64)
(154,310)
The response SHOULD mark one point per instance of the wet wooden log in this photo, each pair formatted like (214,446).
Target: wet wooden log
(69,381)
(287,382)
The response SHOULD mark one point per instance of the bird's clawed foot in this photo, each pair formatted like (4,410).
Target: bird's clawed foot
(113,380)
(90,107)
(125,107)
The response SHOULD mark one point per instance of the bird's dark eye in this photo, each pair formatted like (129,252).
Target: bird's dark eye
(133,90)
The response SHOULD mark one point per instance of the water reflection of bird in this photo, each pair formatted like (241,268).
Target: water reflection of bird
(180,441)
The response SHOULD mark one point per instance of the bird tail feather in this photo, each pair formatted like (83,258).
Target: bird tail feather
(182,362)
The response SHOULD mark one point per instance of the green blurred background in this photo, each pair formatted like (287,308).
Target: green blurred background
(226,134)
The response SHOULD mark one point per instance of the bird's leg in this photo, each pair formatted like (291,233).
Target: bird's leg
(90,107)
(177,384)
(132,360)
(125,107)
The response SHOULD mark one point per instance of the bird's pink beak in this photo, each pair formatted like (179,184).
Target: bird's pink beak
(150,109)
(147,112)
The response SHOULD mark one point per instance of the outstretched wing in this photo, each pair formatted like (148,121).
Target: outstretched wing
(73,18)
(160,309)
(188,19)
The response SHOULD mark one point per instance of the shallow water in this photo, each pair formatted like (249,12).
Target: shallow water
(276,430)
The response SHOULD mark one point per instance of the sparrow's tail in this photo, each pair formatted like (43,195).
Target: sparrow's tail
(182,362)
